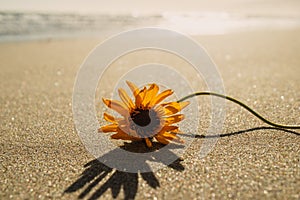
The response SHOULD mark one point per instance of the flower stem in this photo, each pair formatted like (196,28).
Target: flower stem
(243,105)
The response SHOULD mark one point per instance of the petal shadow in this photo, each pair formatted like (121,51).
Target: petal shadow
(90,181)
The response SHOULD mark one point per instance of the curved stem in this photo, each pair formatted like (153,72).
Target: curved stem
(243,105)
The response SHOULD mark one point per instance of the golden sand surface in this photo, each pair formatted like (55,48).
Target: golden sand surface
(43,157)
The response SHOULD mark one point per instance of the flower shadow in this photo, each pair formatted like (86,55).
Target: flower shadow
(95,173)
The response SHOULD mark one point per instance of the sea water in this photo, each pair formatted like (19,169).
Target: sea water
(36,25)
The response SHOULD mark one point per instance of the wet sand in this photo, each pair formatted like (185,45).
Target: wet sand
(43,157)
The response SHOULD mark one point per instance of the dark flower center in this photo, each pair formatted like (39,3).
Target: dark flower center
(141,117)
(145,122)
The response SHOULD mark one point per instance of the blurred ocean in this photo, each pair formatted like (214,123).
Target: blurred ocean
(30,26)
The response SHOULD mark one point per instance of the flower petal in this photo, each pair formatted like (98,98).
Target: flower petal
(174,119)
(126,99)
(135,90)
(140,97)
(108,128)
(172,136)
(117,106)
(150,94)
(148,142)
(168,128)
(109,118)
(161,97)
(174,107)
(161,139)
(123,136)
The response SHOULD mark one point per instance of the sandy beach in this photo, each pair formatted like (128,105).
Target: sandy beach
(42,156)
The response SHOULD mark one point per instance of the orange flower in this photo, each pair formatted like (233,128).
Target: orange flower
(145,118)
